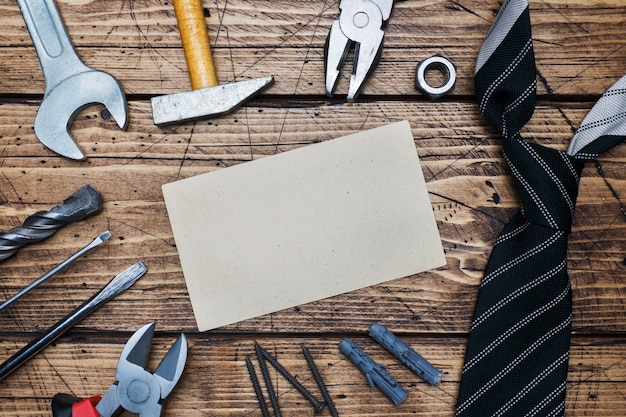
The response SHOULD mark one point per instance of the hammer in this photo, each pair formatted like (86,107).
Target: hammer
(207,98)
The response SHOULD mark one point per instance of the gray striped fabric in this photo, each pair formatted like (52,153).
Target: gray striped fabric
(517,353)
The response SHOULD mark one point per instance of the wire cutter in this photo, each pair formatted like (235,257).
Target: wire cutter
(136,389)
(360,25)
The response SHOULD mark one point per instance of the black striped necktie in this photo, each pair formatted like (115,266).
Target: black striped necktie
(517,354)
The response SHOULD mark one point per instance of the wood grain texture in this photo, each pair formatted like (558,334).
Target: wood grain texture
(579,47)
(79,364)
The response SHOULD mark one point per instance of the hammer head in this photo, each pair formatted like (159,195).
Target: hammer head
(205,102)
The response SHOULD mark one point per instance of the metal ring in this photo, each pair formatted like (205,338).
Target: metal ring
(436,62)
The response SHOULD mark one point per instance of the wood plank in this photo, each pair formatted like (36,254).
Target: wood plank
(456,150)
(84,365)
(444,131)
(577,45)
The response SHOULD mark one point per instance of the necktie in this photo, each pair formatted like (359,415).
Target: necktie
(517,353)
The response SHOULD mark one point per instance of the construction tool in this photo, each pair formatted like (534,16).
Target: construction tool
(405,354)
(317,404)
(70,84)
(445,67)
(207,98)
(268,381)
(320,383)
(85,202)
(103,237)
(257,387)
(360,26)
(117,285)
(136,389)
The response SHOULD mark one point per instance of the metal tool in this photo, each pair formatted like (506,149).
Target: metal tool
(117,285)
(406,355)
(360,25)
(70,84)
(375,373)
(85,202)
(320,383)
(268,381)
(317,404)
(257,387)
(207,98)
(95,243)
(441,64)
(136,389)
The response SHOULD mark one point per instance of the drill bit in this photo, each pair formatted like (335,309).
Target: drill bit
(85,202)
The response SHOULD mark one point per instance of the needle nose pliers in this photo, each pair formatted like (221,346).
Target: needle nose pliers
(360,25)
(136,390)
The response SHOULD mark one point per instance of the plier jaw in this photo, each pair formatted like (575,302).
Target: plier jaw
(138,390)
(360,25)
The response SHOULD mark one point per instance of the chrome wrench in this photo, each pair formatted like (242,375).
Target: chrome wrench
(70,84)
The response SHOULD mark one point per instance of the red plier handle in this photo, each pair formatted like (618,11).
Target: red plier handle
(64,405)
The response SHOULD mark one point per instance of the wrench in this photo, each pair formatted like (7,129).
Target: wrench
(71,85)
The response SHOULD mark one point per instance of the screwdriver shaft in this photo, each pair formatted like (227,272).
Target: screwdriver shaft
(117,285)
(95,243)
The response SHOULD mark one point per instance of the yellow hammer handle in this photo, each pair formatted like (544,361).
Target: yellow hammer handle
(195,38)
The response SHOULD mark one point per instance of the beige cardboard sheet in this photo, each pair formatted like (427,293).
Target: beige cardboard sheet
(303,225)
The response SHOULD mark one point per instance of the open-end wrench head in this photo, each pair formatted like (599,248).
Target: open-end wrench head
(61,105)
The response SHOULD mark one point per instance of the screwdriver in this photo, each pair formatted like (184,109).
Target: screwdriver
(95,243)
(117,285)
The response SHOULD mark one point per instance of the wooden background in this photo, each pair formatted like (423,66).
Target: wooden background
(580,48)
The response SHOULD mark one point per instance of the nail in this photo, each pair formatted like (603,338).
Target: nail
(266,377)
(317,405)
(257,387)
(318,378)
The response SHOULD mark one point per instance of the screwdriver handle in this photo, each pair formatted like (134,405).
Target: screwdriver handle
(195,39)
